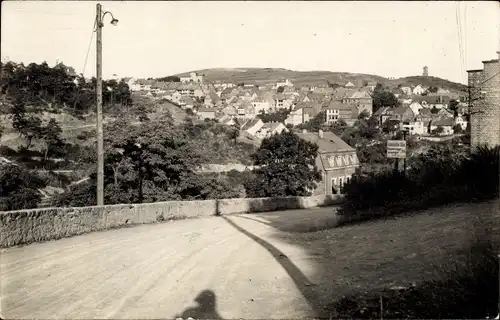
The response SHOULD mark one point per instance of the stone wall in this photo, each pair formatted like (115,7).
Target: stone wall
(28,226)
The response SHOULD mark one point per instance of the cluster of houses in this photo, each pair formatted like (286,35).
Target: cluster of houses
(227,101)
(424,115)
(420,111)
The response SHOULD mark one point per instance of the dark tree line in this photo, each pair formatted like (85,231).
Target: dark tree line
(40,85)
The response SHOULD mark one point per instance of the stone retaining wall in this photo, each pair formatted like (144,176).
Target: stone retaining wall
(28,226)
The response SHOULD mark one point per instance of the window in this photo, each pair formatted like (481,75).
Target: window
(338,160)
(334,186)
(353,159)
(346,159)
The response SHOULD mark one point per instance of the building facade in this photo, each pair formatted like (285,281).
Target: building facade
(484,86)
(337,161)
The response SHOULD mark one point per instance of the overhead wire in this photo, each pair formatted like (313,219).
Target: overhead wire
(460,40)
(89,46)
(464,61)
(465,27)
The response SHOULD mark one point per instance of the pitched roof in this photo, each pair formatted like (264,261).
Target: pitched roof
(250,123)
(362,94)
(272,125)
(401,110)
(432,99)
(443,122)
(329,143)
(382,111)
(338,105)
(342,92)
(207,110)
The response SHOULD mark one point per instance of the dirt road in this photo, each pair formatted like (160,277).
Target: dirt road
(232,266)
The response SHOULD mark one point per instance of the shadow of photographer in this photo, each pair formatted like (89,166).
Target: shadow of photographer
(206,307)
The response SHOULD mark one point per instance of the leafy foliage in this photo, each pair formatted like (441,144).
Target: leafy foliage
(19,188)
(446,173)
(42,86)
(278,116)
(382,97)
(315,123)
(286,167)
(169,79)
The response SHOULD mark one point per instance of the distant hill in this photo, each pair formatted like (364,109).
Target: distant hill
(428,82)
(264,76)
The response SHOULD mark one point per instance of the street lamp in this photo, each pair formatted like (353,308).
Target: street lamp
(100,144)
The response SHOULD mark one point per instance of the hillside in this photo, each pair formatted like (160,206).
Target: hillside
(427,82)
(270,75)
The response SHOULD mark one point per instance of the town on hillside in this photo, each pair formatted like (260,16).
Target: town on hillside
(423,111)
(249,160)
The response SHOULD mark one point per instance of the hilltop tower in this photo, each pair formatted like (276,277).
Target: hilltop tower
(425,73)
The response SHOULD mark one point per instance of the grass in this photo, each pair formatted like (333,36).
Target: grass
(467,289)
(361,259)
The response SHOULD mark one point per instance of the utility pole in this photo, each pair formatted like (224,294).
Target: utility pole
(100,142)
(404,163)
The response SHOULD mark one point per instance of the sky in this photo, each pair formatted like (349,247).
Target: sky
(155,39)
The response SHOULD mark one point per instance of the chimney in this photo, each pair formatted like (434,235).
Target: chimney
(320,133)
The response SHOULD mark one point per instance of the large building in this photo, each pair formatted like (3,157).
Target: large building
(484,89)
(337,161)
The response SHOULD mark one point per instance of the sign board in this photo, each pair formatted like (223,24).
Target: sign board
(396,149)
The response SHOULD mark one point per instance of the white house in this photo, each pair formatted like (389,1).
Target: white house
(461,121)
(270,128)
(261,105)
(415,107)
(445,123)
(284,83)
(406,90)
(415,127)
(252,126)
(297,117)
(419,90)
(193,77)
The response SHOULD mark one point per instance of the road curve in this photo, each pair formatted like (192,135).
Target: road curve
(232,264)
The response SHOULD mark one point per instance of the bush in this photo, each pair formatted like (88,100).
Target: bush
(19,188)
(436,179)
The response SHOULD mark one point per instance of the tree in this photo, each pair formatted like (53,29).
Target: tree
(278,116)
(152,162)
(390,126)
(363,115)
(280,89)
(434,110)
(382,97)
(19,188)
(315,123)
(51,134)
(28,126)
(457,129)
(438,131)
(432,89)
(286,167)
(368,128)
(233,133)
(169,79)
(453,106)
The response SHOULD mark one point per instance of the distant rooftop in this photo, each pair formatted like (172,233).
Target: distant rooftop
(329,143)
